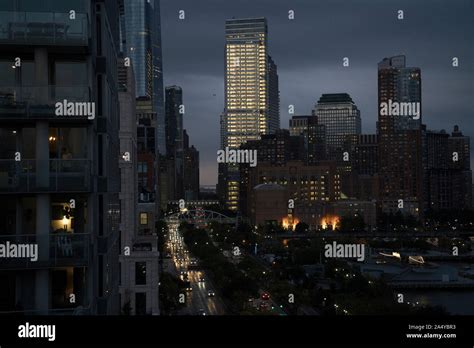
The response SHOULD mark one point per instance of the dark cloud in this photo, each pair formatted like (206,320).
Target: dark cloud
(309,50)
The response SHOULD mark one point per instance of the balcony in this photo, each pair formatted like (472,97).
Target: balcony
(146,197)
(38,103)
(65,250)
(44,28)
(30,176)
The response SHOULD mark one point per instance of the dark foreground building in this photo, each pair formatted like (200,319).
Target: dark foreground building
(59,168)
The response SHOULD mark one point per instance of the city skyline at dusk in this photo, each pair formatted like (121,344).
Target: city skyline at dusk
(309,66)
(279,165)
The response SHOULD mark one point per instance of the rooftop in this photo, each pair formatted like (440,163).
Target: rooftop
(335,98)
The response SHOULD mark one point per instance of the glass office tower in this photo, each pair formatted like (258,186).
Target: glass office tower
(251,95)
(340,117)
(142,43)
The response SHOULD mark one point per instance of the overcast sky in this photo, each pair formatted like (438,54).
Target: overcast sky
(309,50)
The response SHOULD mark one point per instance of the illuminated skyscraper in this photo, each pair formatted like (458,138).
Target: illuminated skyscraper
(251,95)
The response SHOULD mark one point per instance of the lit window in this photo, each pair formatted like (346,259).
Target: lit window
(143,219)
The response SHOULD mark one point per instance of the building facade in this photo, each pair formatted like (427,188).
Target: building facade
(341,118)
(59,171)
(312,188)
(251,95)
(459,148)
(174,139)
(447,173)
(364,154)
(141,40)
(400,139)
(191,170)
(314,136)
(276,149)
(138,285)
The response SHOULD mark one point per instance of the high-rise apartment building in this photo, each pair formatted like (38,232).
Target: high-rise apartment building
(138,285)
(400,138)
(174,120)
(191,170)
(363,160)
(59,171)
(251,95)
(447,173)
(142,273)
(141,44)
(459,150)
(174,138)
(273,97)
(437,176)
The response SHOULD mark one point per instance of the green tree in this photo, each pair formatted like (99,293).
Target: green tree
(169,292)
(302,227)
(352,223)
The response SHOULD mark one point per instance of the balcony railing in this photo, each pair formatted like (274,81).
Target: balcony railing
(44,28)
(38,102)
(30,175)
(54,250)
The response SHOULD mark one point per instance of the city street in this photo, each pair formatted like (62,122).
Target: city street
(198,300)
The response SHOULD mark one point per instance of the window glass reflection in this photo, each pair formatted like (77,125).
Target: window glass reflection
(50,5)
(7,73)
(71,73)
(68,143)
